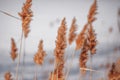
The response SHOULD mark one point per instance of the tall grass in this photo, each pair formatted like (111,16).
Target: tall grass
(85,41)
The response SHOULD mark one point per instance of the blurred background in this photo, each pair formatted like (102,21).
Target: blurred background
(45,22)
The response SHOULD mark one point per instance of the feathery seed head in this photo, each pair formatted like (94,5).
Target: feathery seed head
(39,56)
(13,50)
(26,15)
(72,31)
(59,51)
(92,12)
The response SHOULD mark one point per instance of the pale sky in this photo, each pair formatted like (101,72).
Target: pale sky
(47,14)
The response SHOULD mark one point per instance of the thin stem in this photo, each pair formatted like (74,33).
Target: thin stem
(35,77)
(87,69)
(18,64)
(70,66)
(53,68)
(52,75)
(91,67)
(24,53)
(9,15)
(57,74)
(13,68)
(66,57)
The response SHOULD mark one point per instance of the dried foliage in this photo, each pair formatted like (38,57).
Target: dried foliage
(60,51)
(114,73)
(13,50)
(8,76)
(40,55)
(26,15)
(72,31)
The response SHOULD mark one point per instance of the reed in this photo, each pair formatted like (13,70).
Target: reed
(61,44)
(72,31)
(25,15)
(91,33)
(81,37)
(13,50)
(40,55)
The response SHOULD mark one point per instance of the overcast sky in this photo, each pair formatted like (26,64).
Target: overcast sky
(47,17)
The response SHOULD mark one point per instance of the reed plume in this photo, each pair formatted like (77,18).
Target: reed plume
(92,40)
(60,51)
(26,15)
(92,12)
(72,31)
(13,50)
(87,39)
(91,18)
(114,73)
(40,55)
(81,37)
(91,32)
(8,76)
(84,56)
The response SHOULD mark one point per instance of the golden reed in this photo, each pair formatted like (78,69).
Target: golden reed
(40,55)
(13,50)
(72,31)
(61,44)
(26,15)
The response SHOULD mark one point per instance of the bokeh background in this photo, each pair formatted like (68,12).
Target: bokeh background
(45,22)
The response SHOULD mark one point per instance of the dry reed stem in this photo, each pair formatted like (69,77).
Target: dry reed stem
(87,69)
(119,19)
(19,55)
(71,38)
(23,63)
(8,76)
(70,66)
(13,50)
(92,42)
(40,55)
(59,52)
(26,15)
(35,77)
(8,14)
(72,31)
(91,32)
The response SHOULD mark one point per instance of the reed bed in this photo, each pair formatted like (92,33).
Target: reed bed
(86,42)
